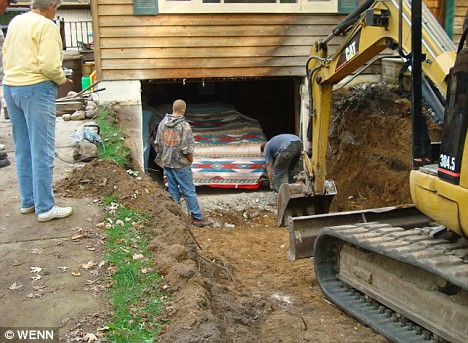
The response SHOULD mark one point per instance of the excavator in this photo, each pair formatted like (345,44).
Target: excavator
(401,270)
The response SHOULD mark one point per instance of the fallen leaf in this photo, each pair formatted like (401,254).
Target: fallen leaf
(36,269)
(101,225)
(16,263)
(90,337)
(138,256)
(63,269)
(36,251)
(119,222)
(34,296)
(89,265)
(77,273)
(14,286)
(36,278)
(38,288)
(137,226)
(78,236)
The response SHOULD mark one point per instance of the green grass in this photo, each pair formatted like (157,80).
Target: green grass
(112,136)
(136,297)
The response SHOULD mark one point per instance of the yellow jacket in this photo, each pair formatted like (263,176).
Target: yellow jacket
(32,51)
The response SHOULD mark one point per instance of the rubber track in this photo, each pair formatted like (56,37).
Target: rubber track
(415,247)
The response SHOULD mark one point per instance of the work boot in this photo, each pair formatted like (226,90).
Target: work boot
(200,222)
(273,200)
(27,210)
(55,213)
(4,163)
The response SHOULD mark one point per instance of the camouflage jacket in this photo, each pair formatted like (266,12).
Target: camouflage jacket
(174,141)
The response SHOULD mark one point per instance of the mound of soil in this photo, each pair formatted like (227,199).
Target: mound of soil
(232,281)
(370,147)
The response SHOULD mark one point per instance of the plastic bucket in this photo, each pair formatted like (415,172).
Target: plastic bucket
(85,82)
(88,68)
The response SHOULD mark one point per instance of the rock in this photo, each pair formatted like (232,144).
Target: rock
(85,152)
(187,271)
(90,114)
(91,104)
(177,251)
(66,117)
(78,115)
(71,93)
(95,98)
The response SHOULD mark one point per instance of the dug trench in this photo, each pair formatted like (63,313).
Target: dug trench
(232,281)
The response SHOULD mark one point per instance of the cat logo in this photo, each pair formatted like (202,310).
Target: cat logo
(351,51)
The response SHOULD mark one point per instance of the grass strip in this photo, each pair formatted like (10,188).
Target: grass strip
(136,294)
(112,136)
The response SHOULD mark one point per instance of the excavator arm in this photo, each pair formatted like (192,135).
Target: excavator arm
(379,26)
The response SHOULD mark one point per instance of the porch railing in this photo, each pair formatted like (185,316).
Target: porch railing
(76,34)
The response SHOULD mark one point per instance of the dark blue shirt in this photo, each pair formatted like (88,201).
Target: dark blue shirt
(278,144)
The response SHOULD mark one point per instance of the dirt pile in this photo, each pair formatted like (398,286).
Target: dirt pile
(203,311)
(370,147)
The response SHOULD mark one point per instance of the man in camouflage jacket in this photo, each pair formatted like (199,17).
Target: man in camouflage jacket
(175,146)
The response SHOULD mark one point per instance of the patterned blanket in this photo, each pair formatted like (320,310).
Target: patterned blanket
(227,146)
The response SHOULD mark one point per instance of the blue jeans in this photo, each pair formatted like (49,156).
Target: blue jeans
(32,113)
(285,166)
(181,180)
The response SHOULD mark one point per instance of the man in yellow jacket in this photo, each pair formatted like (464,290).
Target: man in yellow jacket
(32,59)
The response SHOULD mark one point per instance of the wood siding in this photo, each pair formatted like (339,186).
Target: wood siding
(461,10)
(188,46)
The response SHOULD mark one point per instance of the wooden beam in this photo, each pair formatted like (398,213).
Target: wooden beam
(202,52)
(207,31)
(198,42)
(168,63)
(179,73)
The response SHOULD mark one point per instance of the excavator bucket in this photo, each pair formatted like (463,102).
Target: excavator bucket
(297,199)
(304,230)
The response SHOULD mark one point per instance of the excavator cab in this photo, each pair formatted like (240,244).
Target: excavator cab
(441,191)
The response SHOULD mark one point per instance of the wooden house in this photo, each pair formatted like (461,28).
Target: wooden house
(249,53)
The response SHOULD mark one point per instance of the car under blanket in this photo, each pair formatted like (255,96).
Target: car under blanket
(227,146)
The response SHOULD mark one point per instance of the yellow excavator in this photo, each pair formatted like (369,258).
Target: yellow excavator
(401,270)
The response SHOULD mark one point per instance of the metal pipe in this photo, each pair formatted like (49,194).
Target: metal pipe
(375,59)
(349,20)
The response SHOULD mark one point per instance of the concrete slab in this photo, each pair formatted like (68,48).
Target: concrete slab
(67,251)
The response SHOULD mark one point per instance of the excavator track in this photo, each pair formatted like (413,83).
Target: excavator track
(405,284)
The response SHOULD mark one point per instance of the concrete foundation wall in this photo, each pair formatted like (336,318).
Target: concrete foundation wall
(125,96)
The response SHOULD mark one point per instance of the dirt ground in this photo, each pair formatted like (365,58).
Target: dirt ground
(232,281)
